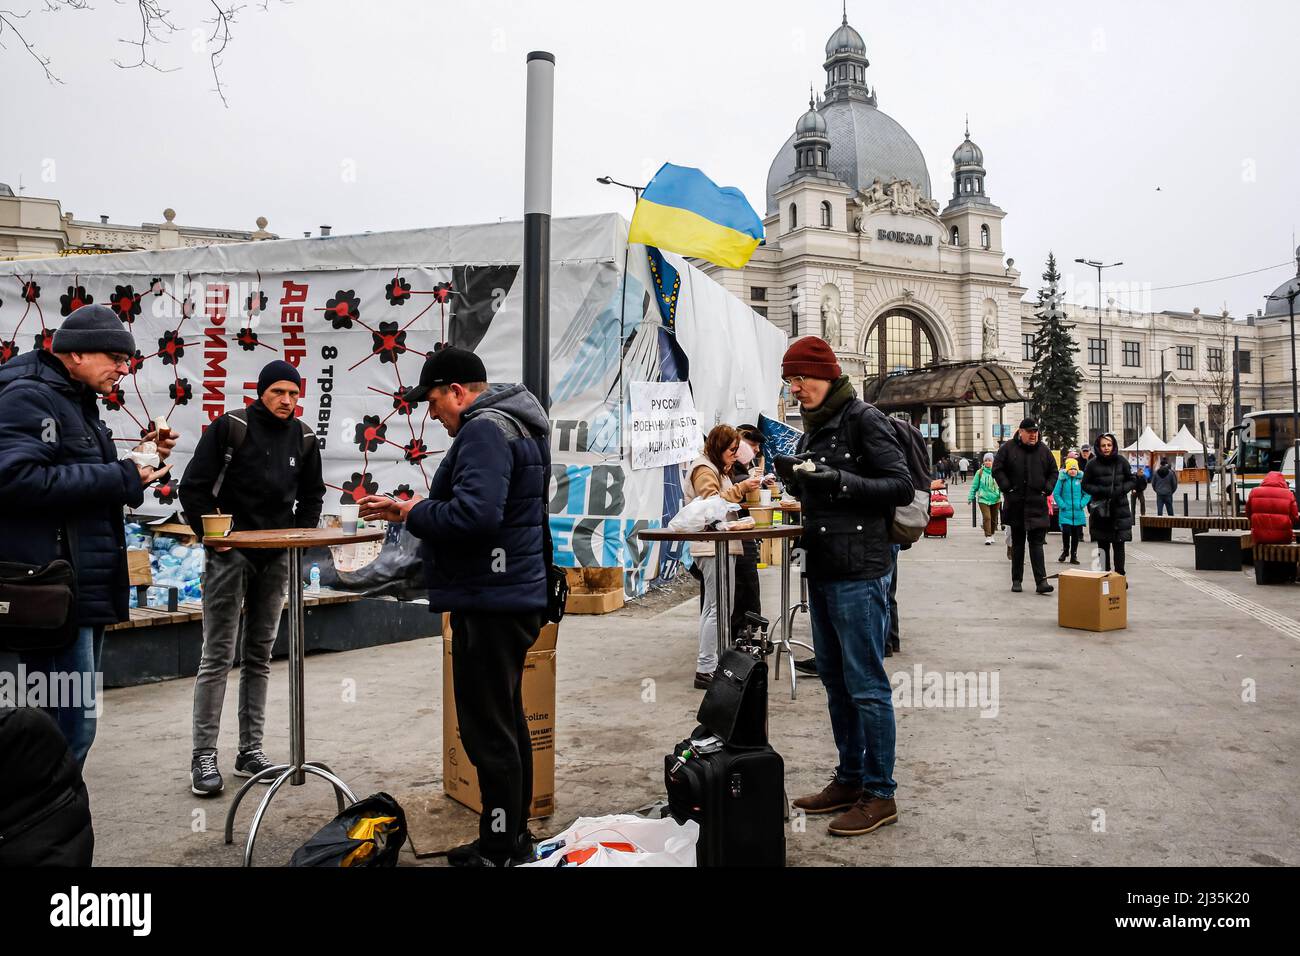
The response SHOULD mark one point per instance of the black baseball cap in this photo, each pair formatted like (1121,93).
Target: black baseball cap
(446,366)
(1029,425)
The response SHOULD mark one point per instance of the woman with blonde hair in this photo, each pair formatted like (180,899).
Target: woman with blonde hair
(707,476)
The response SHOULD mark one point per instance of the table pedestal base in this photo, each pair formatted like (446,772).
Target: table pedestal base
(282,772)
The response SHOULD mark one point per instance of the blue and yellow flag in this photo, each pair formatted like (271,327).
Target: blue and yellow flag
(684,211)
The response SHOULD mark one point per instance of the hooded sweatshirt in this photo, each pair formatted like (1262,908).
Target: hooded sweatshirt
(1272,511)
(481,526)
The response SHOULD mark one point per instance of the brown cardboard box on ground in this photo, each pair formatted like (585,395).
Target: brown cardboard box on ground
(1092,600)
(459,777)
(594,590)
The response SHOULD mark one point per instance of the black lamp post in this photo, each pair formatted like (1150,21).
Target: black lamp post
(622,303)
(1290,297)
(1101,366)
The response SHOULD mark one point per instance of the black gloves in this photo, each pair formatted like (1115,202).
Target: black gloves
(825,480)
(784,465)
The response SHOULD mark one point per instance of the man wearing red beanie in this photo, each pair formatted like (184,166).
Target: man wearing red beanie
(859,476)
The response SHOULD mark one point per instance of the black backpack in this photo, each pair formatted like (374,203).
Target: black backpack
(909,436)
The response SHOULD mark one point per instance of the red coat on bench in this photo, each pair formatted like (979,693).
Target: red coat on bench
(1272,511)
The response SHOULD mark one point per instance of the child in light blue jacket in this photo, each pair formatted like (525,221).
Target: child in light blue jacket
(1072,504)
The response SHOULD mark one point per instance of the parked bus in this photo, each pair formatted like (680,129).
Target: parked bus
(1265,442)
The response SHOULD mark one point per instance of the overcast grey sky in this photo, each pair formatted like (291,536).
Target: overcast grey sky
(389,114)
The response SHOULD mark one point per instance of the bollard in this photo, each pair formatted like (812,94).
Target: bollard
(974,507)
(1184,504)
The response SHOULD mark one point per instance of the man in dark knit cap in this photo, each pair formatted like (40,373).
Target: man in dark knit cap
(261,465)
(62,490)
(859,475)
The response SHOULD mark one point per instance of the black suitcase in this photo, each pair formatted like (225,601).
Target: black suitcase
(737,796)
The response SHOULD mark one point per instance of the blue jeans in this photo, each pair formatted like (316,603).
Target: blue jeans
(77,718)
(850,624)
(1165,504)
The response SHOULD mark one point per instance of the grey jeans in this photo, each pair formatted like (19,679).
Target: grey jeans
(237,592)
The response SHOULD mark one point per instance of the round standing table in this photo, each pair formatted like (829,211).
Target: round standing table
(292,540)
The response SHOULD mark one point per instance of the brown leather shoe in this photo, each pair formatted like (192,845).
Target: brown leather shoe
(834,796)
(868,814)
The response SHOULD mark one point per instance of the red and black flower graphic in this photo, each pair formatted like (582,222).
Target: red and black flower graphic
(171,347)
(31,291)
(415,451)
(398,291)
(74,300)
(342,309)
(156,286)
(388,342)
(135,362)
(442,292)
(44,340)
(370,433)
(357,487)
(8,350)
(187,308)
(403,493)
(400,403)
(126,303)
(166,491)
(255,303)
(114,400)
(247,339)
(180,391)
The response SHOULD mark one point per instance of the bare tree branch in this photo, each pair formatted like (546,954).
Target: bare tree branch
(7,18)
(152,19)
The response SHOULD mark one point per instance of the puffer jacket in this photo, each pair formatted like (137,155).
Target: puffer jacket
(61,481)
(1272,511)
(846,534)
(1110,478)
(481,527)
(984,488)
(1071,499)
(44,808)
(1026,474)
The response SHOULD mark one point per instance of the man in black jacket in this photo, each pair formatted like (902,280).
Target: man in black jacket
(859,476)
(1026,472)
(62,490)
(262,465)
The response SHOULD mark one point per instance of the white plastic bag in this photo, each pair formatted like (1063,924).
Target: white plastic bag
(656,842)
(698,514)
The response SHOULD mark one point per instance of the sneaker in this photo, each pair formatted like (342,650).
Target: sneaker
(868,814)
(1044,588)
(703,681)
(988,540)
(807,666)
(251,762)
(205,778)
(834,796)
(470,855)
(1015,586)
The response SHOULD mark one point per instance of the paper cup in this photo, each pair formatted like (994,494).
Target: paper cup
(765,496)
(349,515)
(762,517)
(217,526)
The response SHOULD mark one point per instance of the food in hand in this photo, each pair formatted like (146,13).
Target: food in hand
(809,466)
(146,454)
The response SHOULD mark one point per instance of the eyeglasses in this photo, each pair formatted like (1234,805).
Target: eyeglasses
(119,359)
(795,380)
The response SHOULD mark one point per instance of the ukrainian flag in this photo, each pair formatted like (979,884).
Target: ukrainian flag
(684,211)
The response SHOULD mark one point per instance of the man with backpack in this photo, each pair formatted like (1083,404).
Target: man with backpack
(859,474)
(262,466)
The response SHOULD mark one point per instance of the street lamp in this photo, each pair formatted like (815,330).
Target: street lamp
(622,304)
(1101,366)
(1164,406)
(610,181)
(1292,291)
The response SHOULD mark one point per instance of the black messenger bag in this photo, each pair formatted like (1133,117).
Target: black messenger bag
(37,606)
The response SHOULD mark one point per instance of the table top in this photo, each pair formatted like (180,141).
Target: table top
(753,534)
(292,538)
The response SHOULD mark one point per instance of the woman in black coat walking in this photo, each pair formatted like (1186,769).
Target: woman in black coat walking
(1109,480)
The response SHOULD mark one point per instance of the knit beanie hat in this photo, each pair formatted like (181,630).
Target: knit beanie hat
(1071,463)
(277,371)
(812,357)
(93,328)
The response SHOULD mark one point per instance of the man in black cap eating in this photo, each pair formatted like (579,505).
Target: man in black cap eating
(261,465)
(486,554)
(1026,472)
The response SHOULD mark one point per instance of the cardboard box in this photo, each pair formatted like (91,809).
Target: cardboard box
(459,777)
(594,590)
(1092,600)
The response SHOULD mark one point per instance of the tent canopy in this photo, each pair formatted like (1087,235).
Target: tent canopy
(1185,441)
(944,386)
(1148,441)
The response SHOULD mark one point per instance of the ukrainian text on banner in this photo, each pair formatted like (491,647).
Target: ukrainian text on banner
(664,426)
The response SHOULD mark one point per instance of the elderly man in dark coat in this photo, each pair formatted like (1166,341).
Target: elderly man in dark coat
(1026,472)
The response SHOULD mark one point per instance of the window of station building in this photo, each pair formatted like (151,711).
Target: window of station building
(794,311)
(826,215)
(1243,362)
(1214,415)
(1213,359)
(1187,418)
(984,237)
(1097,352)
(1132,422)
(898,340)
(954,237)
(1133,354)
(1098,418)
(758,293)
(794,216)
(761,310)
(1187,357)
(1027,352)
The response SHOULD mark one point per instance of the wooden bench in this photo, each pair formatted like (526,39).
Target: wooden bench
(1276,563)
(187,611)
(1160,527)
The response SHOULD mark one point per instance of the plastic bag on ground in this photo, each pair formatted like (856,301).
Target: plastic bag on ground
(697,515)
(622,840)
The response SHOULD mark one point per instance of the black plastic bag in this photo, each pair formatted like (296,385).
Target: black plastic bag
(380,827)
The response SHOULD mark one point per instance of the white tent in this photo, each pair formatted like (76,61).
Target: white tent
(1185,441)
(1148,441)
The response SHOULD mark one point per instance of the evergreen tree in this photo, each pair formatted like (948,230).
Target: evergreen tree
(1056,379)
